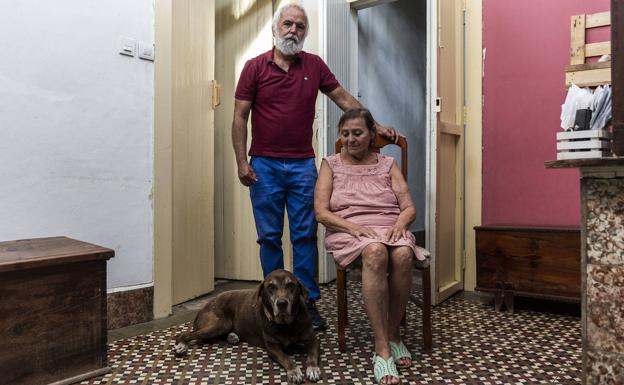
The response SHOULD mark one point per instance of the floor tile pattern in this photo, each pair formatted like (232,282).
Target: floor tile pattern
(473,344)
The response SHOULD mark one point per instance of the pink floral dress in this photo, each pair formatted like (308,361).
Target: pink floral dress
(363,194)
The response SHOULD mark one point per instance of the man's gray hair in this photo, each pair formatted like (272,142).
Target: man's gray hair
(280,11)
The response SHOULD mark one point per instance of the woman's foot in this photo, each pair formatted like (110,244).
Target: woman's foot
(402,356)
(385,370)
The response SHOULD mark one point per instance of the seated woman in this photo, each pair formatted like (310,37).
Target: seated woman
(362,199)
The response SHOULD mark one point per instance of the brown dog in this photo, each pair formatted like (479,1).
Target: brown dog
(272,316)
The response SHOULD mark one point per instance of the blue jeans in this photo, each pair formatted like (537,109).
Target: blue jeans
(286,183)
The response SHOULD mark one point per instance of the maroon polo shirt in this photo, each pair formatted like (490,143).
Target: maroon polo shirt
(283,103)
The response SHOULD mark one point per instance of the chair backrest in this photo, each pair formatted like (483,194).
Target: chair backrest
(381,142)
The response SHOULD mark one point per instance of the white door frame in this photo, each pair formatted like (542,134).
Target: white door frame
(432,109)
(326,266)
(163,161)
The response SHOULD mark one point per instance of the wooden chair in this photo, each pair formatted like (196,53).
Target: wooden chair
(341,277)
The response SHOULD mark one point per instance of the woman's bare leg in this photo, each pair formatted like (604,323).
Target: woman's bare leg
(375,295)
(400,283)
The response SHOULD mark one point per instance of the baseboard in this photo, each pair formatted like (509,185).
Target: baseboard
(84,376)
(130,307)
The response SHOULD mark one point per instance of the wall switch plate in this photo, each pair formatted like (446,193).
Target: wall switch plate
(146,51)
(127,47)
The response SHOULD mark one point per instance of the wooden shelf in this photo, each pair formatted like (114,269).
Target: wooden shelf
(588,75)
(574,163)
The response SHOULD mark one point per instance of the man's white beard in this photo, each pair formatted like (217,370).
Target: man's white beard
(288,45)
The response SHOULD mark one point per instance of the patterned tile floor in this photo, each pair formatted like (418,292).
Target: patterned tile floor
(473,344)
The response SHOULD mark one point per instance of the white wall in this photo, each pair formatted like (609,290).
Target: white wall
(76,128)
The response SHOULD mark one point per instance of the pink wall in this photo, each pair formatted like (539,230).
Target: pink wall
(527,45)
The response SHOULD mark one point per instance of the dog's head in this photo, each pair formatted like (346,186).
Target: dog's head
(282,295)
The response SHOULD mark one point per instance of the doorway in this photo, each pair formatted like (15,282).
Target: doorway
(394,48)
(392,83)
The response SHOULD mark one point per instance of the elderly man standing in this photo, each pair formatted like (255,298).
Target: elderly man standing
(280,87)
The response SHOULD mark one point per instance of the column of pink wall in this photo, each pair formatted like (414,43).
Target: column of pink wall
(527,44)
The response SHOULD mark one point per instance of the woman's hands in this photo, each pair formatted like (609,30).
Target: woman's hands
(363,231)
(396,232)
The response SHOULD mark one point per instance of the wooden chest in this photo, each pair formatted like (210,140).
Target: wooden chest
(540,262)
(52,311)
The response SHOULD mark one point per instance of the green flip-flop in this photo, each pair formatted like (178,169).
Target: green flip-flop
(400,351)
(383,368)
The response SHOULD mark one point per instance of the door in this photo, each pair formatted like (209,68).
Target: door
(446,164)
(448,263)
(243,31)
(192,62)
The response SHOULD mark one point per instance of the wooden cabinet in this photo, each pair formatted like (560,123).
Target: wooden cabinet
(540,262)
(52,311)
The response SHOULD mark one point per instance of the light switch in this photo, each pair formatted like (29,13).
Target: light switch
(146,51)
(128,46)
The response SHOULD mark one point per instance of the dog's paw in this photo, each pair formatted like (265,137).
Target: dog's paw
(295,376)
(313,373)
(233,339)
(180,348)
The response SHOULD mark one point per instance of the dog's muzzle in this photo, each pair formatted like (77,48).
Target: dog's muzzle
(282,310)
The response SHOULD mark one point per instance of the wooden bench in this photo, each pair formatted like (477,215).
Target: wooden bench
(538,262)
(52,311)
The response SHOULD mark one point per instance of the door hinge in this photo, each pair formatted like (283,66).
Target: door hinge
(463,259)
(438,104)
(465,117)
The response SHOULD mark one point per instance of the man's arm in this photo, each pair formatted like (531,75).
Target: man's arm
(345,101)
(246,174)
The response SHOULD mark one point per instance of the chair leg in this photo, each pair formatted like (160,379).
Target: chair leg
(426,309)
(341,291)
(346,298)
(509,300)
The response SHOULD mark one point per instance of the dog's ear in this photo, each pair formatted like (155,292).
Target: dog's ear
(260,289)
(260,298)
(303,296)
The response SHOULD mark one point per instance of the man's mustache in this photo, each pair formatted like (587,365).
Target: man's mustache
(292,37)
